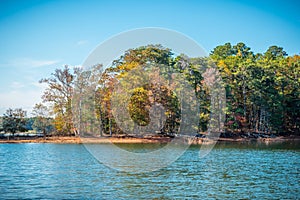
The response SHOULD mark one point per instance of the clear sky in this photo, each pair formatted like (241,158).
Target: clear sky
(38,36)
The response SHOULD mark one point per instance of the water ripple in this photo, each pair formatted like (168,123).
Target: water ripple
(68,171)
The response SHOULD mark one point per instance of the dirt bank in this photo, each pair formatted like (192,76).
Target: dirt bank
(131,140)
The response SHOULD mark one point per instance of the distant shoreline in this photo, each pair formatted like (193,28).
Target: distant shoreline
(133,140)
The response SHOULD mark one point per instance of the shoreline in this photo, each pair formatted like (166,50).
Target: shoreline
(133,140)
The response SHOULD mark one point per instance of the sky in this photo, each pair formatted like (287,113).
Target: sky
(36,36)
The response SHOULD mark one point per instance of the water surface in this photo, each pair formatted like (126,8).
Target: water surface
(230,171)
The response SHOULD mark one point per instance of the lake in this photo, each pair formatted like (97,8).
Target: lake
(230,171)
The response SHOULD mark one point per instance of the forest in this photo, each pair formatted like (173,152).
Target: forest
(262,93)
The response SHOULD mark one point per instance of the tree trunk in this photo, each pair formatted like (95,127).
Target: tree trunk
(110,131)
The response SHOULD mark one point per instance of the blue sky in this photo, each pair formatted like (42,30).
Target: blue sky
(38,36)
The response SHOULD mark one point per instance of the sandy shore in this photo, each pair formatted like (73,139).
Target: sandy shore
(131,140)
(78,140)
(71,140)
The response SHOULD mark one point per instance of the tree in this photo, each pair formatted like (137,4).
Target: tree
(14,120)
(129,70)
(292,95)
(59,93)
(1,124)
(233,63)
(87,114)
(262,89)
(42,121)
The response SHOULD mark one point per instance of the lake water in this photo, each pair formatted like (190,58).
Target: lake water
(230,171)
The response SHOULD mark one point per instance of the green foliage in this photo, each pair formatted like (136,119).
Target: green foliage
(262,90)
(42,122)
(14,120)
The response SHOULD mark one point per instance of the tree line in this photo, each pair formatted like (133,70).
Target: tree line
(16,120)
(262,93)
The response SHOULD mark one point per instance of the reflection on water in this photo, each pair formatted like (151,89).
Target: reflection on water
(140,148)
(231,170)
